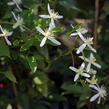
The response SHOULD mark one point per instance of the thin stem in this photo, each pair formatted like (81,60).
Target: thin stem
(96,22)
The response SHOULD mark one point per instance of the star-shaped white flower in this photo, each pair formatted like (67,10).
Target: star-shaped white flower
(87,41)
(48,35)
(79,72)
(92,81)
(15,2)
(5,34)
(91,61)
(52,15)
(101,93)
(19,22)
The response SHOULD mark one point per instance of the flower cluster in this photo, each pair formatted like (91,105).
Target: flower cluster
(85,72)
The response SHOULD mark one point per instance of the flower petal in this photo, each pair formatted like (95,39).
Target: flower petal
(43,42)
(96,64)
(54,40)
(49,10)
(14,16)
(59,17)
(7,41)
(10,3)
(95,87)
(82,65)
(74,34)
(85,75)
(88,67)
(1,35)
(93,98)
(91,48)
(40,30)
(99,99)
(44,16)
(81,48)
(73,69)
(76,77)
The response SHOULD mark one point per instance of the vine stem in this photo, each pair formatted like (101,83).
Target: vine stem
(96,22)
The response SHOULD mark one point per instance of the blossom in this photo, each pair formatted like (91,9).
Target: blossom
(92,81)
(15,2)
(79,71)
(101,93)
(48,35)
(90,61)
(19,22)
(5,34)
(52,15)
(87,42)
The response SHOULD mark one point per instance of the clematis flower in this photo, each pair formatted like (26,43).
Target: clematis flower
(5,34)
(79,72)
(101,93)
(48,35)
(91,61)
(15,2)
(19,22)
(87,41)
(92,81)
(52,15)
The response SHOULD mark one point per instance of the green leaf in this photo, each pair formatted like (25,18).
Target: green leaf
(4,50)
(32,63)
(68,4)
(58,29)
(10,76)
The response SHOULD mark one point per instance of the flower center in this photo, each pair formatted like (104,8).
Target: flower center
(88,42)
(53,14)
(92,60)
(5,32)
(48,33)
(80,71)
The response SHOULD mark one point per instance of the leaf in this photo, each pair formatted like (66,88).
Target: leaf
(68,4)
(58,29)
(10,76)
(4,50)
(32,63)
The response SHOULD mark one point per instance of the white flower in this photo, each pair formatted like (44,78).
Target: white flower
(15,2)
(52,15)
(87,42)
(92,81)
(48,35)
(81,30)
(90,61)
(19,22)
(101,93)
(5,34)
(79,71)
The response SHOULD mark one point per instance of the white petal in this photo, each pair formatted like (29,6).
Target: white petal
(1,29)
(74,34)
(14,16)
(85,75)
(59,17)
(54,40)
(43,42)
(93,98)
(82,65)
(81,48)
(49,10)
(88,67)
(92,48)
(40,30)
(73,69)
(18,7)
(1,35)
(44,16)
(76,77)
(15,25)
(95,87)
(51,26)
(7,41)
(10,3)
(99,99)
(81,36)
(52,22)
(96,64)
(10,33)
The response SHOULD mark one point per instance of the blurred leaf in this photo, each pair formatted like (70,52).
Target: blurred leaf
(4,50)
